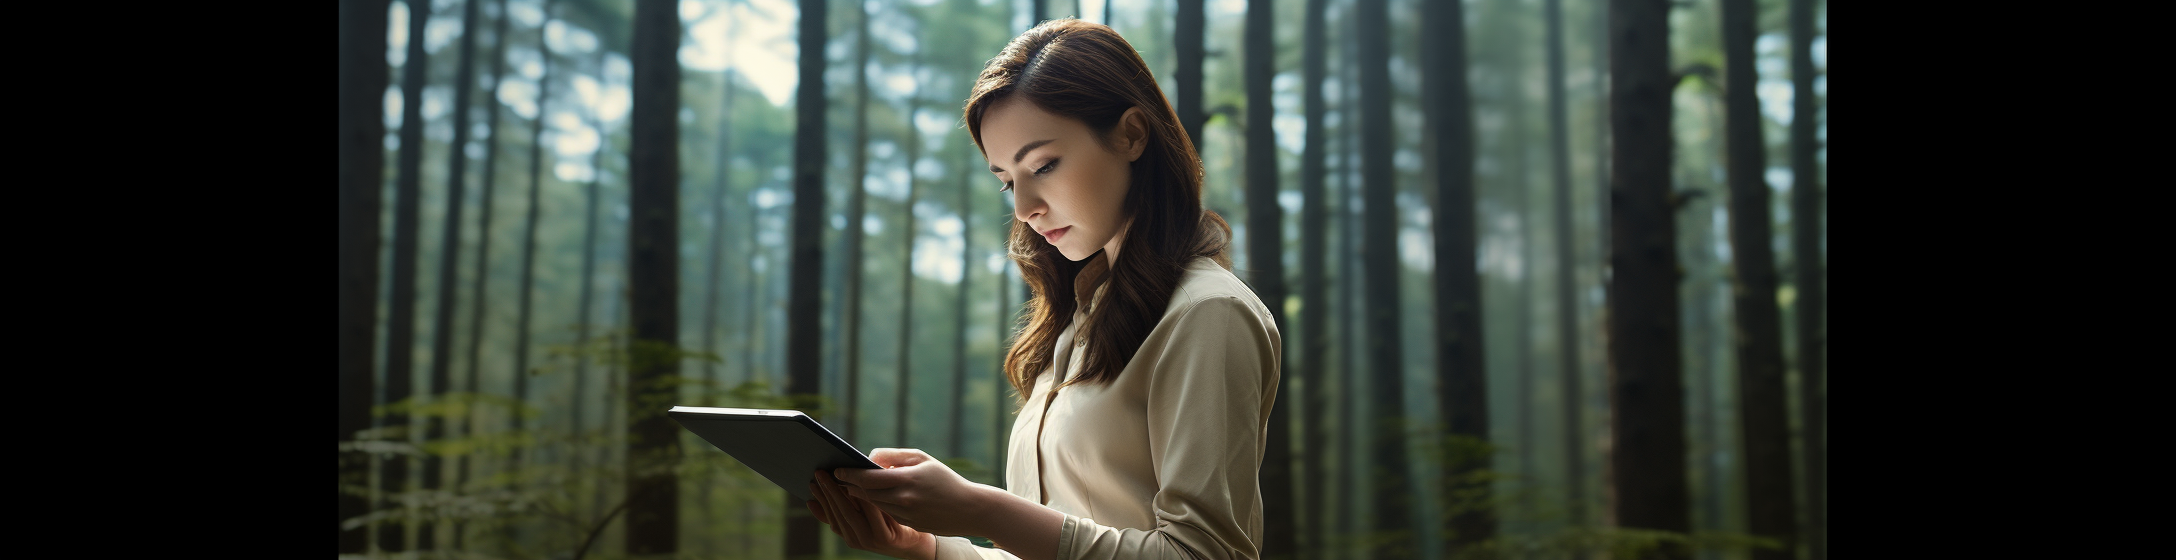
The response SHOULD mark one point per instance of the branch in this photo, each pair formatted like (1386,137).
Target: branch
(599,529)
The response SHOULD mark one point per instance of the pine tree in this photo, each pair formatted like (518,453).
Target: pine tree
(1461,373)
(362,162)
(400,331)
(803,303)
(1647,459)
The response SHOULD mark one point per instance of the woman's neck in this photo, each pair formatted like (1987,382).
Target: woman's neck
(1110,248)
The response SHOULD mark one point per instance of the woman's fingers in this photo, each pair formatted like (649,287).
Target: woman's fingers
(875,478)
(896,513)
(891,457)
(851,520)
(877,518)
(899,496)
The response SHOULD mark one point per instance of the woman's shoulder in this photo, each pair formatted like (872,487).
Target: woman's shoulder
(1206,281)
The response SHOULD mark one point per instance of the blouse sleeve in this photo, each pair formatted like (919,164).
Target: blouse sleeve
(959,548)
(1214,380)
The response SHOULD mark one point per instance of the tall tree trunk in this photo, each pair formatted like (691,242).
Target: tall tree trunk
(609,348)
(483,249)
(362,176)
(1812,295)
(1567,266)
(1763,397)
(653,279)
(1354,359)
(400,330)
(959,343)
(857,211)
(1522,299)
(751,341)
(803,303)
(713,387)
(1265,254)
(913,149)
(1646,376)
(1314,290)
(1707,444)
(449,260)
(1602,246)
(1187,43)
(1461,373)
(1037,12)
(717,234)
(527,285)
(1391,485)
(1521,294)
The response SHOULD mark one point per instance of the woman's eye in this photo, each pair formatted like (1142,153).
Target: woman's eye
(1047,167)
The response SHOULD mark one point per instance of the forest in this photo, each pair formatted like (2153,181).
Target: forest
(1549,273)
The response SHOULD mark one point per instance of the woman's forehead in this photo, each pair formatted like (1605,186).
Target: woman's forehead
(1012,123)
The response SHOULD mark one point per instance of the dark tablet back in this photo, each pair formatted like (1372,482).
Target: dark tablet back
(784,446)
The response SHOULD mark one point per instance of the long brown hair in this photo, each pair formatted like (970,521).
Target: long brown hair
(1086,71)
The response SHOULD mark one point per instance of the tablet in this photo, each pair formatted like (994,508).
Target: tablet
(785,446)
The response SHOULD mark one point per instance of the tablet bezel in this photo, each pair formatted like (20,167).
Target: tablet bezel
(842,450)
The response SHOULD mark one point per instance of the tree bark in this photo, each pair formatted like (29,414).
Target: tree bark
(959,342)
(1811,289)
(1391,484)
(527,287)
(1567,262)
(803,303)
(1186,79)
(1353,361)
(400,330)
(362,176)
(723,169)
(1462,375)
(1578,428)
(1265,254)
(449,260)
(857,211)
(1763,397)
(913,150)
(653,279)
(1646,378)
(483,248)
(1314,290)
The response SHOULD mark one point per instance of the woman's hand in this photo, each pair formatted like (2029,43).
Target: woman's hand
(863,526)
(923,493)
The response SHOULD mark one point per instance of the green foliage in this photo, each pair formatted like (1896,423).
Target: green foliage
(541,490)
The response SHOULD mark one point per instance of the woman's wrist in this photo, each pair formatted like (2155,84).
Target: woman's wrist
(925,550)
(1026,529)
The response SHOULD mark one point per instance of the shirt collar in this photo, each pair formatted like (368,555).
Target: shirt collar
(1086,284)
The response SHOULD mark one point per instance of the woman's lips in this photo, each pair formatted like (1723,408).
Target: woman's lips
(1053,235)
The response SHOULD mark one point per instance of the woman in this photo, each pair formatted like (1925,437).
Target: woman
(1148,368)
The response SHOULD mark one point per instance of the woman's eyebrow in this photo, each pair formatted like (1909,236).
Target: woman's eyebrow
(1023,153)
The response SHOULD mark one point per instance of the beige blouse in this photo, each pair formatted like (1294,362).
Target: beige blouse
(1163,462)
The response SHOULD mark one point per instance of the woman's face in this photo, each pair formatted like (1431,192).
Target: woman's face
(1069,185)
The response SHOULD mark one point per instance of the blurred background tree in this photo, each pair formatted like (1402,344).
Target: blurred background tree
(1609,376)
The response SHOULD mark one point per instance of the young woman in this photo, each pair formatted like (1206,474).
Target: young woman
(1148,369)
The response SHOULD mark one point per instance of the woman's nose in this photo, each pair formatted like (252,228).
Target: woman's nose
(1026,206)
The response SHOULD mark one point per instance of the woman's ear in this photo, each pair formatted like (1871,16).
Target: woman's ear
(1133,133)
